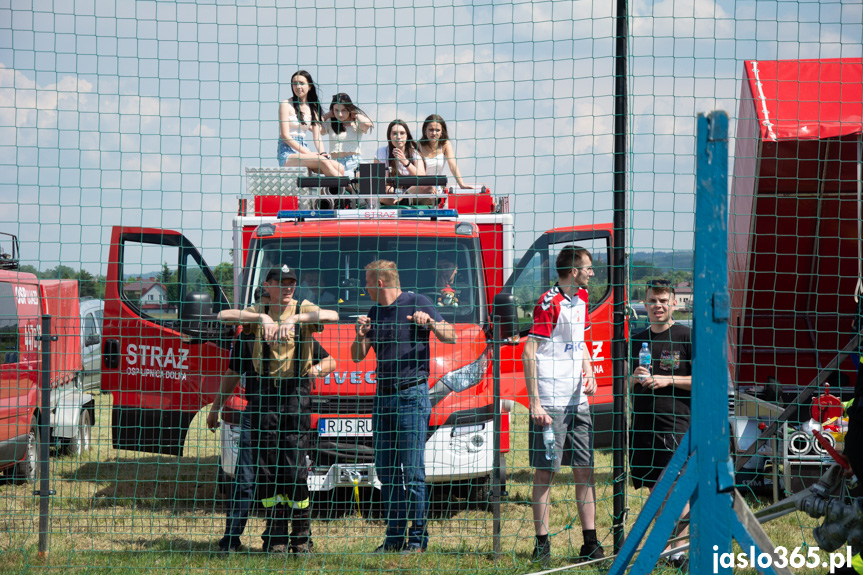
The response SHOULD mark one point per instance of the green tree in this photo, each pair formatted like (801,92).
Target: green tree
(169,279)
(30,270)
(641,269)
(87,284)
(525,297)
(60,272)
(101,282)
(224,273)
(597,290)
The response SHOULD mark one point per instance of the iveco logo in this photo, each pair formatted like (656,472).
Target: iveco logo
(354,377)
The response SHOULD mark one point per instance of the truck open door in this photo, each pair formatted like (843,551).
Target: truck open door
(532,277)
(163,350)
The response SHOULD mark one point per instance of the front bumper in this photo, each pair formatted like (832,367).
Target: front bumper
(452,453)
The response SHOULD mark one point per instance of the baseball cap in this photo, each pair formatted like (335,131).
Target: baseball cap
(281,273)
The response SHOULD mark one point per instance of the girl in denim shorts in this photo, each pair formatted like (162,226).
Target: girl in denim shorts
(300,121)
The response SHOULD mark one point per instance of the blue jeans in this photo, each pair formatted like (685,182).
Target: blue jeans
(350,163)
(285,150)
(244,485)
(400,422)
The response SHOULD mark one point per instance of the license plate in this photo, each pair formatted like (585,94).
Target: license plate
(344,427)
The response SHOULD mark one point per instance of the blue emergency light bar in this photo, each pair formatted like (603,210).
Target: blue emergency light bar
(428,214)
(306,214)
(365,214)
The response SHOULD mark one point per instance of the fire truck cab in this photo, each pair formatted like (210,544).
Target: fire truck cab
(167,359)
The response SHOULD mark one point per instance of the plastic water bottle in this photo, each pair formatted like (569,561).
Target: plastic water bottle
(548,439)
(644,358)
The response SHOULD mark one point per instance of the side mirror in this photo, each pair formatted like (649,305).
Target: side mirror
(504,309)
(197,312)
(92,340)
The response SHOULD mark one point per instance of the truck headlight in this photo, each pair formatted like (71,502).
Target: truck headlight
(466,376)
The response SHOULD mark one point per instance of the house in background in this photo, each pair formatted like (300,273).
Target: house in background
(150,295)
(683,293)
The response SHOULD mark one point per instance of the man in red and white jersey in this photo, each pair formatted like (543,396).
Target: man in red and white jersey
(559,377)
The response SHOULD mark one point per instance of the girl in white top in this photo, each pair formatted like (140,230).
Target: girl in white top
(346,127)
(401,157)
(437,150)
(300,125)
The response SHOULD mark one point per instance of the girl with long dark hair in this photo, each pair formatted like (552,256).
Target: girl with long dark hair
(401,157)
(437,150)
(300,121)
(346,125)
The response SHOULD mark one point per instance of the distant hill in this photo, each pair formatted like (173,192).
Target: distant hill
(145,275)
(679,260)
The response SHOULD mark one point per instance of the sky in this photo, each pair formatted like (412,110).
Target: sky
(147,113)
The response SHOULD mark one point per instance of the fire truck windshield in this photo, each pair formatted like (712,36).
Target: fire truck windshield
(332,275)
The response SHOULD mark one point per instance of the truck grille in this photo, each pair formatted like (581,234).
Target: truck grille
(344,450)
(343,405)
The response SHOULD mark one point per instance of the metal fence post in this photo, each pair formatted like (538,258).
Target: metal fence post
(495,486)
(44,492)
(618,340)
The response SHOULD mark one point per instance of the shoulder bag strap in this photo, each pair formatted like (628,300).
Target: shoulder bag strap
(265,349)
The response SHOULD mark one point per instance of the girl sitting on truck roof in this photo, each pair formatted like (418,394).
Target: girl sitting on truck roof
(346,127)
(300,121)
(437,150)
(401,158)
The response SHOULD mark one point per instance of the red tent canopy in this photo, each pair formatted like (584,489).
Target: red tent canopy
(793,216)
(807,99)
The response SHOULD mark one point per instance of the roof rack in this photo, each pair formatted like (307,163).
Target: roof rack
(271,190)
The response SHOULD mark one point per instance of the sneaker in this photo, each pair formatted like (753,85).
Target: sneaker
(591,551)
(388,549)
(679,561)
(541,553)
(277,548)
(227,545)
(411,550)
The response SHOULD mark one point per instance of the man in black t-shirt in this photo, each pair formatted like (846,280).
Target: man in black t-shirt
(398,329)
(660,395)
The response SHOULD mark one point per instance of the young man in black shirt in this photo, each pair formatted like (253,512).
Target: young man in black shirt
(660,395)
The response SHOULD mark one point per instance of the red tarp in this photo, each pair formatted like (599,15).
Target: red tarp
(793,217)
(807,99)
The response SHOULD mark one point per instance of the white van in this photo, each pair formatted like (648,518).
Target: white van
(91,341)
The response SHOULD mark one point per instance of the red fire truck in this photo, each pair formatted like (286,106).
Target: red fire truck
(24,300)
(163,363)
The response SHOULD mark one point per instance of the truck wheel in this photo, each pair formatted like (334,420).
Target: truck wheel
(81,442)
(26,468)
(479,494)
(486,501)
(480,488)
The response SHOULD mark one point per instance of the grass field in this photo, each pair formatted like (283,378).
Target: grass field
(125,512)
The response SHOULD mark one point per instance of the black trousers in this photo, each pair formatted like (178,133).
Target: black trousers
(280,436)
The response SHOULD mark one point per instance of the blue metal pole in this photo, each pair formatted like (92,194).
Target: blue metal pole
(711,514)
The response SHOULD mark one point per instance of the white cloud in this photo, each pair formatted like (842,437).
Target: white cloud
(36,105)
